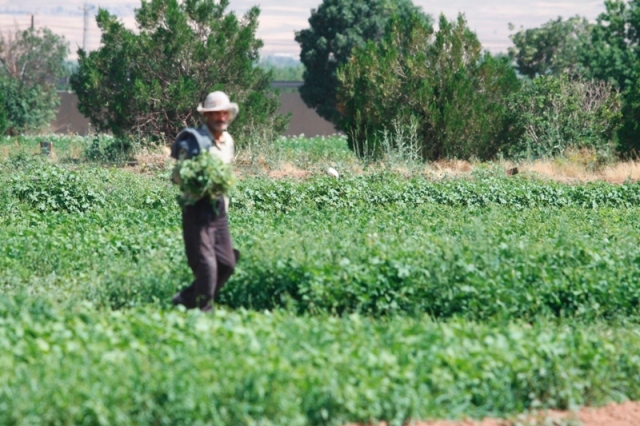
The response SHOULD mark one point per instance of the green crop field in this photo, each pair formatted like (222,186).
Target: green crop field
(375,296)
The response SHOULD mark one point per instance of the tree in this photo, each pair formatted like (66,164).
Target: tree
(148,82)
(614,56)
(554,113)
(336,27)
(440,83)
(31,62)
(552,49)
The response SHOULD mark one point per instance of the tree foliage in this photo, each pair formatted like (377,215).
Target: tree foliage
(335,28)
(440,82)
(552,49)
(554,113)
(614,56)
(148,82)
(31,62)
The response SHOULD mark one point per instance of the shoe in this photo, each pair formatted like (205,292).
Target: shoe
(178,299)
(184,298)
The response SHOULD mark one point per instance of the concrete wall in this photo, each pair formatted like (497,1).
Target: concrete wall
(303,119)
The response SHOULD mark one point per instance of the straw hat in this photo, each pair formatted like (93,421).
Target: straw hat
(219,101)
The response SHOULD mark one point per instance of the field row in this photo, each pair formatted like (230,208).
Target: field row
(148,366)
(43,187)
(383,260)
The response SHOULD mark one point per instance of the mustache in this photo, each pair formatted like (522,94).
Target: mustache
(219,122)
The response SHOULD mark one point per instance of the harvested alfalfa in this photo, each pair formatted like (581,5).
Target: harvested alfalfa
(203,175)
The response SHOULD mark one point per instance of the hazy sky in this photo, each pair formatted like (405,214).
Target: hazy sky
(279,19)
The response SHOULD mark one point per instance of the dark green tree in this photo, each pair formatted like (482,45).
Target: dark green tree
(148,82)
(441,84)
(31,63)
(614,56)
(336,27)
(552,49)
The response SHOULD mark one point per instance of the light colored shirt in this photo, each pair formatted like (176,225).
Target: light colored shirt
(224,150)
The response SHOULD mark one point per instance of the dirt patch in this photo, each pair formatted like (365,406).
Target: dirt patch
(624,414)
(289,171)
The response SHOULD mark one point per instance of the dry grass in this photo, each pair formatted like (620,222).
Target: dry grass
(577,167)
(569,172)
(288,170)
(448,168)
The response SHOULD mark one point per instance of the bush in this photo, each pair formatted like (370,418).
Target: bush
(442,81)
(556,113)
(106,149)
(148,82)
(49,188)
(32,62)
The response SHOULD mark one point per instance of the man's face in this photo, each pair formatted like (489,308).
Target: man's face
(218,120)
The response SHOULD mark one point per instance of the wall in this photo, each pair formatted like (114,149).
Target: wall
(303,119)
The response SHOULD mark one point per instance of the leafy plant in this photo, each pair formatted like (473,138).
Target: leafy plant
(203,175)
(55,189)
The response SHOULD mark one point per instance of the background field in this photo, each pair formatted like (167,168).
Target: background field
(391,293)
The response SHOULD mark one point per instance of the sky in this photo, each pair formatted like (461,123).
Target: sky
(279,19)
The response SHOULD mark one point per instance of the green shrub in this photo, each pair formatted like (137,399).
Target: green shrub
(148,82)
(107,149)
(442,81)
(55,189)
(556,113)
(33,60)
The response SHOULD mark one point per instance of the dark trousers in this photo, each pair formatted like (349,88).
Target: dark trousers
(209,250)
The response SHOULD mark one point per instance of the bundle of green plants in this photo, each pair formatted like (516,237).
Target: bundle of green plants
(201,176)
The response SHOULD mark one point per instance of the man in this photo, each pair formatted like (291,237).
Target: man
(205,226)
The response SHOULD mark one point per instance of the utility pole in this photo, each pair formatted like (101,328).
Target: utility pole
(86,27)
(32,22)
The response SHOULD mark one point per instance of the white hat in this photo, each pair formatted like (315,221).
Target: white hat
(219,101)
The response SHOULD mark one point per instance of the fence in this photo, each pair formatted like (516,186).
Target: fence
(304,120)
